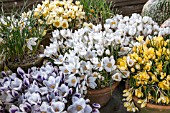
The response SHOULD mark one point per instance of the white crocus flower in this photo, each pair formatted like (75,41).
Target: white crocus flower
(72,81)
(107,52)
(81,49)
(57,107)
(86,67)
(78,106)
(33,88)
(108,21)
(90,54)
(140,27)
(56,34)
(9,98)
(117,77)
(52,82)
(16,84)
(43,90)
(97,28)
(130,62)
(3,21)
(5,85)
(126,74)
(107,27)
(63,33)
(126,18)
(124,51)
(34,99)
(13,109)
(60,59)
(44,107)
(51,49)
(100,52)
(31,42)
(73,67)
(99,66)
(145,19)
(125,41)
(24,107)
(109,64)
(48,69)
(63,90)
(121,26)
(95,60)
(91,82)
(64,69)
(117,39)
(132,30)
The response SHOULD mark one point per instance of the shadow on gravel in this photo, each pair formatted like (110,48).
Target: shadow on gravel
(115,105)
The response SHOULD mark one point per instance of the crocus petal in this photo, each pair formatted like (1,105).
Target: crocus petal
(15,93)
(87,109)
(13,109)
(3,74)
(26,82)
(95,111)
(96,105)
(20,72)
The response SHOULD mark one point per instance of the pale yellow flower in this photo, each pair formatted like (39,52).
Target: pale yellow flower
(138,92)
(57,22)
(64,24)
(140,38)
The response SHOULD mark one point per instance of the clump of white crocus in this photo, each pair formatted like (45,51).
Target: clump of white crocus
(87,51)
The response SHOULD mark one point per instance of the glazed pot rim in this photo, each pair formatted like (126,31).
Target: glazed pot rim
(149,105)
(103,90)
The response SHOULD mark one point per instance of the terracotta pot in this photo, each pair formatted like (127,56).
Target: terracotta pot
(37,62)
(150,108)
(101,96)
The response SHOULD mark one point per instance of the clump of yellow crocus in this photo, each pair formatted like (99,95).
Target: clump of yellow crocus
(150,73)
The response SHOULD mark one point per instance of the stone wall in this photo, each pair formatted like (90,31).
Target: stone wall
(127,7)
(9,5)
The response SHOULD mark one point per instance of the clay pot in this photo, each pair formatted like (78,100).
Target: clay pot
(101,96)
(37,62)
(150,108)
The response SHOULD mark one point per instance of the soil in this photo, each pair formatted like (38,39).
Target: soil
(27,58)
(27,62)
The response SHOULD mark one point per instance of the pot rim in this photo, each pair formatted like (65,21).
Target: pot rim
(38,59)
(103,90)
(149,105)
(153,106)
(13,66)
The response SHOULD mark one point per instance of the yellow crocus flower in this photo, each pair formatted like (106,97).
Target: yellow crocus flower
(122,64)
(140,38)
(138,92)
